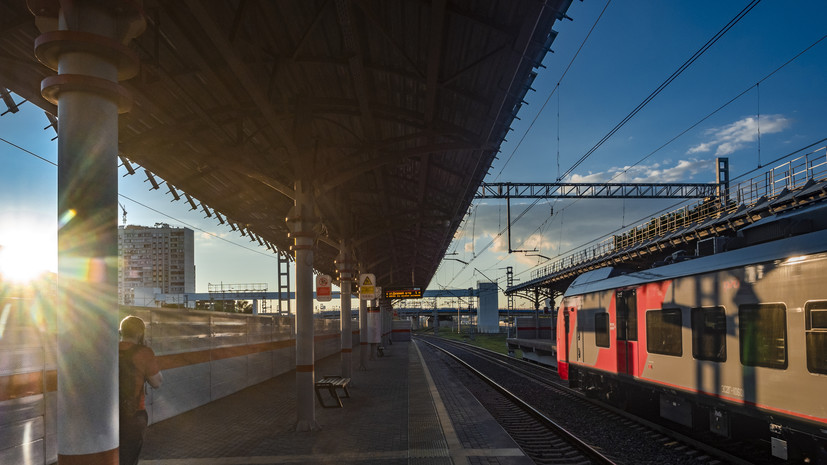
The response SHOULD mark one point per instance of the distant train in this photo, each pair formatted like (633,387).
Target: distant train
(734,342)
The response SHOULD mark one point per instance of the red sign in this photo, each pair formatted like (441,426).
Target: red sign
(324,288)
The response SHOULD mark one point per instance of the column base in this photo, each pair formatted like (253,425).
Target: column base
(307,425)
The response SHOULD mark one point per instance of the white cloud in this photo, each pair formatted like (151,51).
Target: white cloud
(211,239)
(735,136)
(702,147)
(500,244)
(684,170)
(555,227)
(534,241)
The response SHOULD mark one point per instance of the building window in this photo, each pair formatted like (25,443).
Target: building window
(663,332)
(816,335)
(763,335)
(709,334)
(601,329)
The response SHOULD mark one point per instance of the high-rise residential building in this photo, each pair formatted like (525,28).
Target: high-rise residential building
(156,258)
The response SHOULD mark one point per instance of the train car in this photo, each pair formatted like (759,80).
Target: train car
(734,342)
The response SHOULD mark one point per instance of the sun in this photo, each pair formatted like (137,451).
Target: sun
(25,255)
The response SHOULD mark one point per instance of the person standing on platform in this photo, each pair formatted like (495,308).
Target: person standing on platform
(136,365)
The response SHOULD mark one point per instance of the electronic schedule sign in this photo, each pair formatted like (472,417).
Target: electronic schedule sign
(403,293)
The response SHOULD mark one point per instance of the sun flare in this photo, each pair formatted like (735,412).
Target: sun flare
(25,256)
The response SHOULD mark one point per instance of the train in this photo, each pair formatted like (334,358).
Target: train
(731,341)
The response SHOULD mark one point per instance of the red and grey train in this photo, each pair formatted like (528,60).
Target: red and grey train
(735,342)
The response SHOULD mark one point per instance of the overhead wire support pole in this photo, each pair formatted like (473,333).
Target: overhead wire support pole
(508,226)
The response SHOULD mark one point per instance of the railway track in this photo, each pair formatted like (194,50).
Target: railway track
(542,439)
(618,436)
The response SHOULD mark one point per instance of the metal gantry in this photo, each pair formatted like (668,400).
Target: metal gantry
(605,190)
(568,190)
(787,186)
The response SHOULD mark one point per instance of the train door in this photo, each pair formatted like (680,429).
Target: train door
(580,341)
(566,339)
(626,318)
(563,368)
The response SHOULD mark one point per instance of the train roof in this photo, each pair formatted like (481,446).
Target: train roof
(607,278)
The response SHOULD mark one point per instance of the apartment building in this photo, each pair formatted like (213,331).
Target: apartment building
(156,258)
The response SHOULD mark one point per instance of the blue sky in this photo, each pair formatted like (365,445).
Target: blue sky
(634,47)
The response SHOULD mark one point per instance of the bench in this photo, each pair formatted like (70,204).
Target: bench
(331,383)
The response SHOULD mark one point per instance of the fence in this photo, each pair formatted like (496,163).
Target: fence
(203,355)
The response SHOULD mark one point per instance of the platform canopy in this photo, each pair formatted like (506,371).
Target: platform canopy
(392,109)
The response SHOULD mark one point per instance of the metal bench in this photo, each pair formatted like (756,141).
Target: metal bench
(331,383)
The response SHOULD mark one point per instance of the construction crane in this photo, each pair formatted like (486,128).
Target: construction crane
(124,213)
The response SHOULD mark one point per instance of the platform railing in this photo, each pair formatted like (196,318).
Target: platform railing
(789,175)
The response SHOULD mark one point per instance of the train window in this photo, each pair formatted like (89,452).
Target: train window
(709,334)
(816,336)
(817,351)
(816,314)
(763,338)
(663,332)
(601,329)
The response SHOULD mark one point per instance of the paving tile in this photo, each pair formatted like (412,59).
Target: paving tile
(390,418)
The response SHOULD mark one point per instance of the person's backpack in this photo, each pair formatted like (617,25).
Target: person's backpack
(129,392)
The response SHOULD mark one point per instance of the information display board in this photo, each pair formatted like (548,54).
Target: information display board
(403,293)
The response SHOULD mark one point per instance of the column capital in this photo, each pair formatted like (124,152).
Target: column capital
(96,28)
(130,20)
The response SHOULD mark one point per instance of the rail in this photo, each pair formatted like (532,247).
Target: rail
(790,175)
(581,452)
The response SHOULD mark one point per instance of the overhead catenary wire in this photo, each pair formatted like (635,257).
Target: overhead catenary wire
(555,89)
(531,125)
(670,207)
(46,160)
(706,117)
(758,118)
(29,152)
(661,147)
(672,140)
(640,106)
(195,227)
(664,84)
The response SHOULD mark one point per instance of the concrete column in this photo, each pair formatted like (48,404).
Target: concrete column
(364,348)
(301,223)
(344,265)
(84,41)
(374,328)
(387,317)
(436,319)
(488,313)
(387,312)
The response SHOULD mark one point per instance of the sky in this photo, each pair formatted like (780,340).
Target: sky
(606,62)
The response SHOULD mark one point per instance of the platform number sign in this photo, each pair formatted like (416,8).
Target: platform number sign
(367,286)
(324,286)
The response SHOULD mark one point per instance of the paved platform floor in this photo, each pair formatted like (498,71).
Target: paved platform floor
(403,410)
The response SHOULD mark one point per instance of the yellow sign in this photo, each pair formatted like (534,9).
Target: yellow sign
(367,286)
